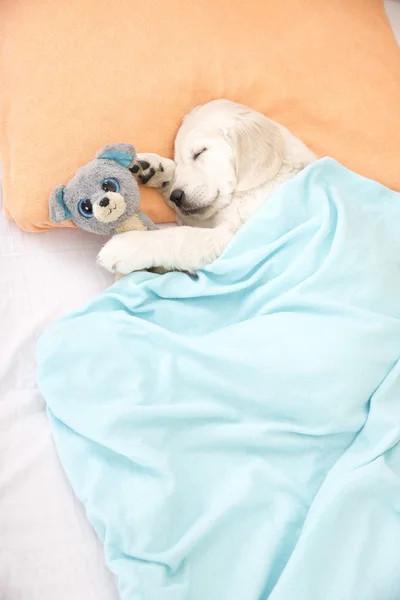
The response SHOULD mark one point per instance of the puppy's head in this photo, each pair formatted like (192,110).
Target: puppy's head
(222,148)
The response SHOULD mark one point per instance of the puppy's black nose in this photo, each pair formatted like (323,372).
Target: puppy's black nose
(177,197)
(104,202)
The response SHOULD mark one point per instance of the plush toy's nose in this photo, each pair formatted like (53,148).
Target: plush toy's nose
(104,202)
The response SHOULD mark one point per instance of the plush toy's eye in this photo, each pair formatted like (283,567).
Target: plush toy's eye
(110,185)
(85,208)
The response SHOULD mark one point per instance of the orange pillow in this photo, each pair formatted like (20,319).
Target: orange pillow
(77,75)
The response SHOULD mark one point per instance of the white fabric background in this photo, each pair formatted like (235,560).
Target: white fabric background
(48,551)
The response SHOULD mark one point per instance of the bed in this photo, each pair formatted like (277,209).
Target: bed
(47,549)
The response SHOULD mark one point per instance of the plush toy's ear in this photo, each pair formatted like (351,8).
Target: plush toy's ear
(58,210)
(123,154)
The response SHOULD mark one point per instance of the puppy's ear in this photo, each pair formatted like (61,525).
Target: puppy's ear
(57,208)
(124,154)
(258,149)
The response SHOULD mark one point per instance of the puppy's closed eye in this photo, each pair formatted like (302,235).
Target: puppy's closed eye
(197,154)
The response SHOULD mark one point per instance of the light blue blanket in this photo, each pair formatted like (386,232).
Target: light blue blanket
(235,436)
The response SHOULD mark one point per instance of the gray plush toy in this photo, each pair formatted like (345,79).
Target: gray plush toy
(103,197)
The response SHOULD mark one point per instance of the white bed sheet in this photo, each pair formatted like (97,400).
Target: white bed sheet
(48,551)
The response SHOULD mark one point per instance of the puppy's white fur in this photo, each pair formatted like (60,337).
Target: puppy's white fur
(229,159)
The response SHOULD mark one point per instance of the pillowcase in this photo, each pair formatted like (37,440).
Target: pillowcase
(78,75)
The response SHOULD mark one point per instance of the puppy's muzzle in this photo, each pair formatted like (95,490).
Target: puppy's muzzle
(178,197)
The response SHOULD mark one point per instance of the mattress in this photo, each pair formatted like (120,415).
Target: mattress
(47,548)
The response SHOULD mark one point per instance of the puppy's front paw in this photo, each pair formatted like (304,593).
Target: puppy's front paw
(153,170)
(124,254)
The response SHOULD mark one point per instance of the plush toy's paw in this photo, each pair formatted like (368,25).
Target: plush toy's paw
(153,171)
(125,253)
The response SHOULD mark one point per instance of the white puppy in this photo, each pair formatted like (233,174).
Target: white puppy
(229,159)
